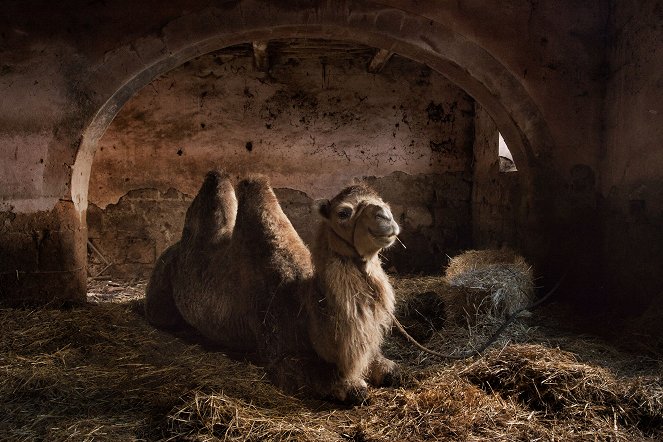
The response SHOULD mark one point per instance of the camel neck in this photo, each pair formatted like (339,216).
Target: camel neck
(329,242)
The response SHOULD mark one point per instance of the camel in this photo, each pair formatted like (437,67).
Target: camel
(242,277)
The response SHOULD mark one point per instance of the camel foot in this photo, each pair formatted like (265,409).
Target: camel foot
(351,392)
(384,372)
(392,379)
(357,396)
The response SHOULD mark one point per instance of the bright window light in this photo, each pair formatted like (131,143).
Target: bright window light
(506,159)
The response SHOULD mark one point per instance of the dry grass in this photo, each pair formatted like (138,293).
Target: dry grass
(500,281)
(554,382)
(99,372)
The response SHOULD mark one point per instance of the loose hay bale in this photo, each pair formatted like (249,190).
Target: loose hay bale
(433,312)
(498,281)
(478,285)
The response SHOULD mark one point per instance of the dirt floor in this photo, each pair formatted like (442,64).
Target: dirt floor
(100,372)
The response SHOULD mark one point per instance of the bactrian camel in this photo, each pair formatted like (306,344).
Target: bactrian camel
(242,276)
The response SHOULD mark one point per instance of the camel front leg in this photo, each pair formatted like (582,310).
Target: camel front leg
(351,388)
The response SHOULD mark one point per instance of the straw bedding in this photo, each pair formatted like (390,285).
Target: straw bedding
(100,372)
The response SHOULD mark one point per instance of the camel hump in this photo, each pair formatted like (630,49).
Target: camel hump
(211,217)
(255,191)
(258,204)
(263,227)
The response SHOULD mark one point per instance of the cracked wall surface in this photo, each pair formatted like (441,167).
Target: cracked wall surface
(315,123)
(573,87)
(310,124)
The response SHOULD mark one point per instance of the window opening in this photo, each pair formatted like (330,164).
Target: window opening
(506,159)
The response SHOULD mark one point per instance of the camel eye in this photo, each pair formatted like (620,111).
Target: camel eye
(344,213)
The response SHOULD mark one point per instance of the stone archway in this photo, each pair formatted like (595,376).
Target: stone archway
(127,69)
(463,62)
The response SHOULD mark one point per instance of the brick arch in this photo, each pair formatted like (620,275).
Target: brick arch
(127,69)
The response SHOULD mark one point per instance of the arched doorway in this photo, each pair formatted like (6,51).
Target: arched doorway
(463,62)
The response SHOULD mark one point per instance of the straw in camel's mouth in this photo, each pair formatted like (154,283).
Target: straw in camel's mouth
(389,237)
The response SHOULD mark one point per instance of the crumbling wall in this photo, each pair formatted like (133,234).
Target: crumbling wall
(42,248)
(128,236)
(313,124)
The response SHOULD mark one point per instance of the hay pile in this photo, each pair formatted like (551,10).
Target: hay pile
(100,372)
(478,287)
(554,382)
(500,281)
(435,315)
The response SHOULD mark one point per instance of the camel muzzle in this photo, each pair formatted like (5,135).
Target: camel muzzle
(384,223)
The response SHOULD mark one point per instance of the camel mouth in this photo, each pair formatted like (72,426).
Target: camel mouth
(387,238)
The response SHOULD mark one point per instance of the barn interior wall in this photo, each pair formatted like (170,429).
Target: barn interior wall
(51,241)
(632,179)
(591,134)
(496,195)
(315,123)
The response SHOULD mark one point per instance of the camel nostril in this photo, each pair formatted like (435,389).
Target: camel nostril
(383,215)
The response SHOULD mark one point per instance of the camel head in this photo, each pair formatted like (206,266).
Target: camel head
(360,224)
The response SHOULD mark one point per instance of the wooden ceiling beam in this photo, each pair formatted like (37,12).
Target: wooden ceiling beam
(260,56)
(379,61)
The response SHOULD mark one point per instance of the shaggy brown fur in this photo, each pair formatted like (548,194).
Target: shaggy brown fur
(350,306)
(242,276)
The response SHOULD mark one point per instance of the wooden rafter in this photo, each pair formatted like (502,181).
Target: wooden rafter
(260,56)
(379,61)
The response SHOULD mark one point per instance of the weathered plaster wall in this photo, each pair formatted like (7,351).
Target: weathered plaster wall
(309,124)
(496,195)
(315,123)
(632,164)
(128,236)
(42,256)
(66,68)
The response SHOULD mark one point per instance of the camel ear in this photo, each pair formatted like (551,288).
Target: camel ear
(324,208)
